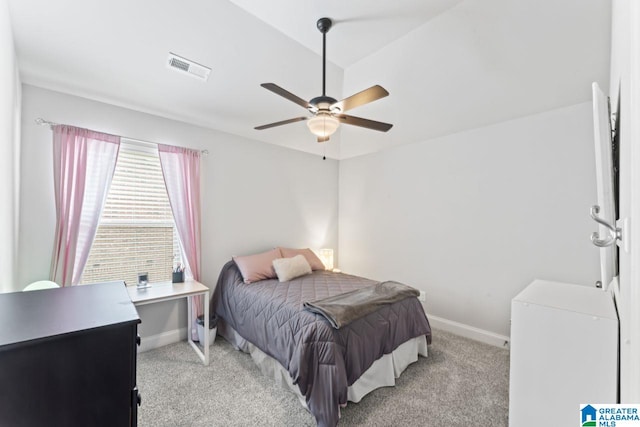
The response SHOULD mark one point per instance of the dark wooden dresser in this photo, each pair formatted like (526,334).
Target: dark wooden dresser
(68,357)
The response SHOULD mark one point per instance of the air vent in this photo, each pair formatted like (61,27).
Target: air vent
(187,66)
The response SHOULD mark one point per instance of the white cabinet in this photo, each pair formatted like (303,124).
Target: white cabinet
(564,352)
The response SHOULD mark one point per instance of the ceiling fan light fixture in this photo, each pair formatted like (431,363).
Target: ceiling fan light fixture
(323,124)
(327,112)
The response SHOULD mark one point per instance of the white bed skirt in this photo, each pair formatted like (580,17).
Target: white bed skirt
(382,373)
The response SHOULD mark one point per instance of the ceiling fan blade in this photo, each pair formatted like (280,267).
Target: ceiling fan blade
(365,123)
(323,138)
(285,94)
(283,122)
(366,96)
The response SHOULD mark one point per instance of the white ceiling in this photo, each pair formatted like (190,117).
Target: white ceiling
(449,65)
(361,27)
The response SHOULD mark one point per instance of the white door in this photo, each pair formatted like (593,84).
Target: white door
(625,88)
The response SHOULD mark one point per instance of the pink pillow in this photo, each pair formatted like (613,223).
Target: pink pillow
(312,258)
(259,266)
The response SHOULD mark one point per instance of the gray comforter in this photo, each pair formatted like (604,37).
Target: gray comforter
(322,361)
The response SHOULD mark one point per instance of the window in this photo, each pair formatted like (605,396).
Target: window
(136,232)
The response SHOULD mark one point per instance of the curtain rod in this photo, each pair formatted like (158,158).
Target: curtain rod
(43,122)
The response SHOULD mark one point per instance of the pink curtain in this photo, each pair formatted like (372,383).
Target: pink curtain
(83,166)
(181,171)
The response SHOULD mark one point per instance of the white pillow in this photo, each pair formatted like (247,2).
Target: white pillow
(290,268)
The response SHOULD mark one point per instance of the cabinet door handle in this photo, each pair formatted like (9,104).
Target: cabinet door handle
(138,340)
(136,400)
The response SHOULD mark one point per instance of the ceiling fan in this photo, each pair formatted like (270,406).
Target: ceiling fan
(327,112)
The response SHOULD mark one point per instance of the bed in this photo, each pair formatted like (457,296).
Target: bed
(324,366)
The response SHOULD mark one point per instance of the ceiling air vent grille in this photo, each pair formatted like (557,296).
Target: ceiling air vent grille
(185,65)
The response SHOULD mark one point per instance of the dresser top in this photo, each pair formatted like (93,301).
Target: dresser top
(565,296)
(27,316)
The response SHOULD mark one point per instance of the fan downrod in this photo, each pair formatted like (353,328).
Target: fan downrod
(324,25)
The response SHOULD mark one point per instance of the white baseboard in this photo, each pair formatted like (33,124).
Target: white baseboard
(162,339)
(169,337)
(469,331)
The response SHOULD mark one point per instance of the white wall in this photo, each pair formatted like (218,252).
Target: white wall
(472,218)
(255,195)
(9,142)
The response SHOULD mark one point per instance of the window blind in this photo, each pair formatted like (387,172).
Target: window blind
(136,232)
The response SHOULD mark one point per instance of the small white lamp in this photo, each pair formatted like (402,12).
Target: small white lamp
(326,256)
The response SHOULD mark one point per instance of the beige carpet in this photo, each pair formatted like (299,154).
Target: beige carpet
(461,383)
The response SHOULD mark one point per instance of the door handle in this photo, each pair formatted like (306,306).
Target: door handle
(614,232)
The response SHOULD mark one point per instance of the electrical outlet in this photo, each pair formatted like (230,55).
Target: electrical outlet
(423,296)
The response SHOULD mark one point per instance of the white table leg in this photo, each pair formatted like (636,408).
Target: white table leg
(203,353)
(189,322)
(206,328)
